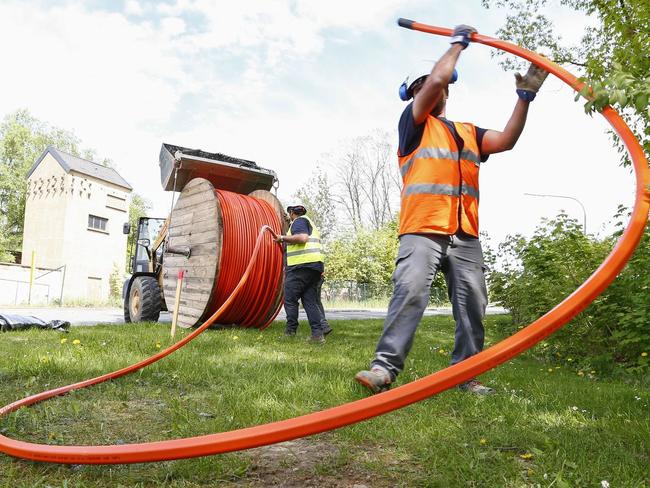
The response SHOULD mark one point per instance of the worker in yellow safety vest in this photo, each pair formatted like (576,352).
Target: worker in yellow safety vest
(304,274)
(439,161)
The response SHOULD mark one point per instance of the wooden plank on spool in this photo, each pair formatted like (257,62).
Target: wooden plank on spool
(196,222)
(194,202)
(272,200)
(194,216)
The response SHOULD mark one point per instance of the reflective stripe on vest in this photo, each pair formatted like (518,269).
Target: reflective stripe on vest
(440,193)
(438,153)
(309,252)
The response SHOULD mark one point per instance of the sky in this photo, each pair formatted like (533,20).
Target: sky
(282,82)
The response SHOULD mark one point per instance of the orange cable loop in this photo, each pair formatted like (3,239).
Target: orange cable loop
(365,408)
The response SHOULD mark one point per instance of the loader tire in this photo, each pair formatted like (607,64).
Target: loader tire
(127,315)
(144,301)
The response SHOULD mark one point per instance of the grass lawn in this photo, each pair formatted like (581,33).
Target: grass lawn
(546,426)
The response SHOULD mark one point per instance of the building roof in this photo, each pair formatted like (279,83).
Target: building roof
(83,166)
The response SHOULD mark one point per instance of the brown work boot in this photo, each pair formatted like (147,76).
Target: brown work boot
(377,379)
(476,387)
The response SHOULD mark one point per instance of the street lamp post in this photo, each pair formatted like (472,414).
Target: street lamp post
(584,212)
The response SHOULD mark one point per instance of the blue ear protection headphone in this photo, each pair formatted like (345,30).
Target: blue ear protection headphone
(403,88)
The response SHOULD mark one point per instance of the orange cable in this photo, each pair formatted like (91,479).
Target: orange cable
(365,408)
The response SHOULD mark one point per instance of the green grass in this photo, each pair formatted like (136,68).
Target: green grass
(541,429)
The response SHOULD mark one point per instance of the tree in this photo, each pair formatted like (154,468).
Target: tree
(366,259)
(612,56)
(367,182)
(378,172)
(5,245)
(22,140)
(348,179)
(316,194)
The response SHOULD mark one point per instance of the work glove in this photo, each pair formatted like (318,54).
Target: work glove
(462,35)
(529,84)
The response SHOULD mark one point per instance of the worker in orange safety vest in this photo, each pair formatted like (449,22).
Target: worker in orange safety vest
(439,161)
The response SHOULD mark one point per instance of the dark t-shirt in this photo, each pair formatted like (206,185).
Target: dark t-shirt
(302,226)
(410,134)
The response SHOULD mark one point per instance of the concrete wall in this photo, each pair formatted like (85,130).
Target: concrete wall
(56,227)
(14,285)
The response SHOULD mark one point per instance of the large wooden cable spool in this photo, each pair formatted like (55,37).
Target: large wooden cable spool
(197,225)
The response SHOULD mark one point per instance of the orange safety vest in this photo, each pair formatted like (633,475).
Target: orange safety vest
(440,192)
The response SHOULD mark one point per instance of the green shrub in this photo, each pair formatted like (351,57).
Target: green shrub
(532,275)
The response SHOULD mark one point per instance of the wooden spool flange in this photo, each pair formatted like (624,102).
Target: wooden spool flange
(196,222)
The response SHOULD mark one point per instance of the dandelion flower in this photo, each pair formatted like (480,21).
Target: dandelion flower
(482,442)
(644,354)
(76,342)
(526,456)
(550,370)
(442,351)
(593,372)
(158,345)
(235,338)
(64,340)
(581,373)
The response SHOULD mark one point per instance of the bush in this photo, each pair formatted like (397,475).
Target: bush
(536,274)
(626,307)
(115,282)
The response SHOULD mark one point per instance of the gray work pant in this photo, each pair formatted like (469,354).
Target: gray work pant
(419,258)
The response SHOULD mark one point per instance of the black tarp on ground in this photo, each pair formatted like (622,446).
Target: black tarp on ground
(19,322)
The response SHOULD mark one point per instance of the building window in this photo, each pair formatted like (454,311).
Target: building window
(97,223)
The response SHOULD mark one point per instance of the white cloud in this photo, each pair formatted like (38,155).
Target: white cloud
(172,26)
(133,7)
(281,83)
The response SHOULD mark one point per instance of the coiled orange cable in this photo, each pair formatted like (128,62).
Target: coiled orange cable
(242,216)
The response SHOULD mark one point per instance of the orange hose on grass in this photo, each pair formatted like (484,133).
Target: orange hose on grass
(373,406)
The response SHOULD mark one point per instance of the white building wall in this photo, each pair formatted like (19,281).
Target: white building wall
(56,227)
(45,214)
(93,254)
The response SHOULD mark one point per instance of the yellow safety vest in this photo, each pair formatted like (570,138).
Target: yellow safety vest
(310,252)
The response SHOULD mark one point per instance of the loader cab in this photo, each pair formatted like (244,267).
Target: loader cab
(143,299)
(145,248)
